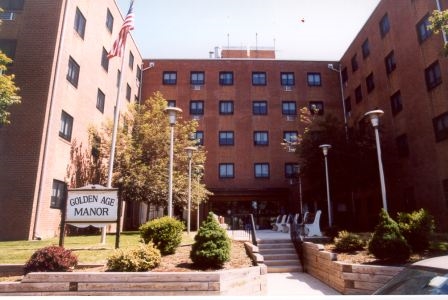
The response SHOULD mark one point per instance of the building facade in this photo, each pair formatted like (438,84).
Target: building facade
(67,85)
(396,64)
(246,108)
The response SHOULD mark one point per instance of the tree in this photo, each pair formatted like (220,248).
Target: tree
(8,90)
(141,163)
(439,23)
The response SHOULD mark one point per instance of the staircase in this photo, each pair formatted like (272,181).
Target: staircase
(279,256)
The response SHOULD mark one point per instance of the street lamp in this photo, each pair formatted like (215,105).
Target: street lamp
(190,151)
(299,177)
(374,116)
(171,112)
(325,148)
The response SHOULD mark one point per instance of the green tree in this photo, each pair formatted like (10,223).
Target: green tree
(439,23)
(8,90)
(142,156)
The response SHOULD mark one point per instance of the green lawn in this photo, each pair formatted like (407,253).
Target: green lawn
(88,248)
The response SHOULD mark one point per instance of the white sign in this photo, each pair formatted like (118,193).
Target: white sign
(92,205)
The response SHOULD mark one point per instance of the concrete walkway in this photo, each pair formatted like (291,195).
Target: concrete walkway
(288,284)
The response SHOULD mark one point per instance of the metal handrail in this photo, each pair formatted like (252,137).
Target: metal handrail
(248,226)
(297,236)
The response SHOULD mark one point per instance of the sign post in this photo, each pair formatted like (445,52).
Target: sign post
(93,205)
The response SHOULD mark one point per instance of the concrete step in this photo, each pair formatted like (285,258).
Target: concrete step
(279,256)
(276,246)
(284,269)
(283,262)
(277,251)
(276,241)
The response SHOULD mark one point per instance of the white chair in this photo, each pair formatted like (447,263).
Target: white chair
(277,221)
(313,229)
(280,224)
(287,226)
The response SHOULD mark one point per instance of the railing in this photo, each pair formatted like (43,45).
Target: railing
(297,235)
(244,223)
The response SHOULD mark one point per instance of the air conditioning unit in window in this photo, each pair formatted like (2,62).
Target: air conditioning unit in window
(290,118)
(196,117)
(287,88)
(7,16)
(196,87)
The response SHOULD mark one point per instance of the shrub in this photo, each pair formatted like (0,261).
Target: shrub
(165,233)
(140,259)
(387,241)
(51,259)
(348,242)
(211,248)
(417,227)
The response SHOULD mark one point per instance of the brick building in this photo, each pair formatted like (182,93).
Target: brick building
(246,107)
(396,64)
(59,49)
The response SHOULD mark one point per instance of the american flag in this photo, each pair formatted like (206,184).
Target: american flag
(120,42)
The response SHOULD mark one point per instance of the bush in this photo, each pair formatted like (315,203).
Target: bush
(387,241)
(51,259)
(417,227)
(140,259)
(165,233)
(348,242)
(211,248)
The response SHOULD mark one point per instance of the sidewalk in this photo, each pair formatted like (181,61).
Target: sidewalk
(293,284)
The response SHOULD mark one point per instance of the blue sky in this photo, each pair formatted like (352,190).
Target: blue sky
(192,28)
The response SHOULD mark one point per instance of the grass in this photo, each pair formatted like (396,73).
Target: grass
(88,248)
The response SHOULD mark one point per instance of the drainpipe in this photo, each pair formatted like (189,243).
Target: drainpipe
(49,127)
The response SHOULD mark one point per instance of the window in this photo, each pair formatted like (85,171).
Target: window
(100,100)
(402,145)
(289,108)
(291,170)
(358,94)
(226,138)
(287,79)
(131,60)
(445,190)
(8,47)
(348,106)
(370,83)
(390,62)
(128,92)
(226,107)
(80,23)
(8,5)
(109,21)
(197,78)
(423,32)
(355,65)
(139,74)
(171,103)
(169,78)
(118,78)
(433,76)
(440,124)
(316,107)
(226,170)
(196,108)
(65,131)
(73,72)
(384,25)
(314,79)
(260,107)
(344,76)
(396,103)
(199,137)
(261,170)
(57,194)
(226,78)
(365,49)
(259,78)
(104,60)
(261,138)
(290,136)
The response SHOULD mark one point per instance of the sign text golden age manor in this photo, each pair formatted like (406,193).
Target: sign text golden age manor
(92,206)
